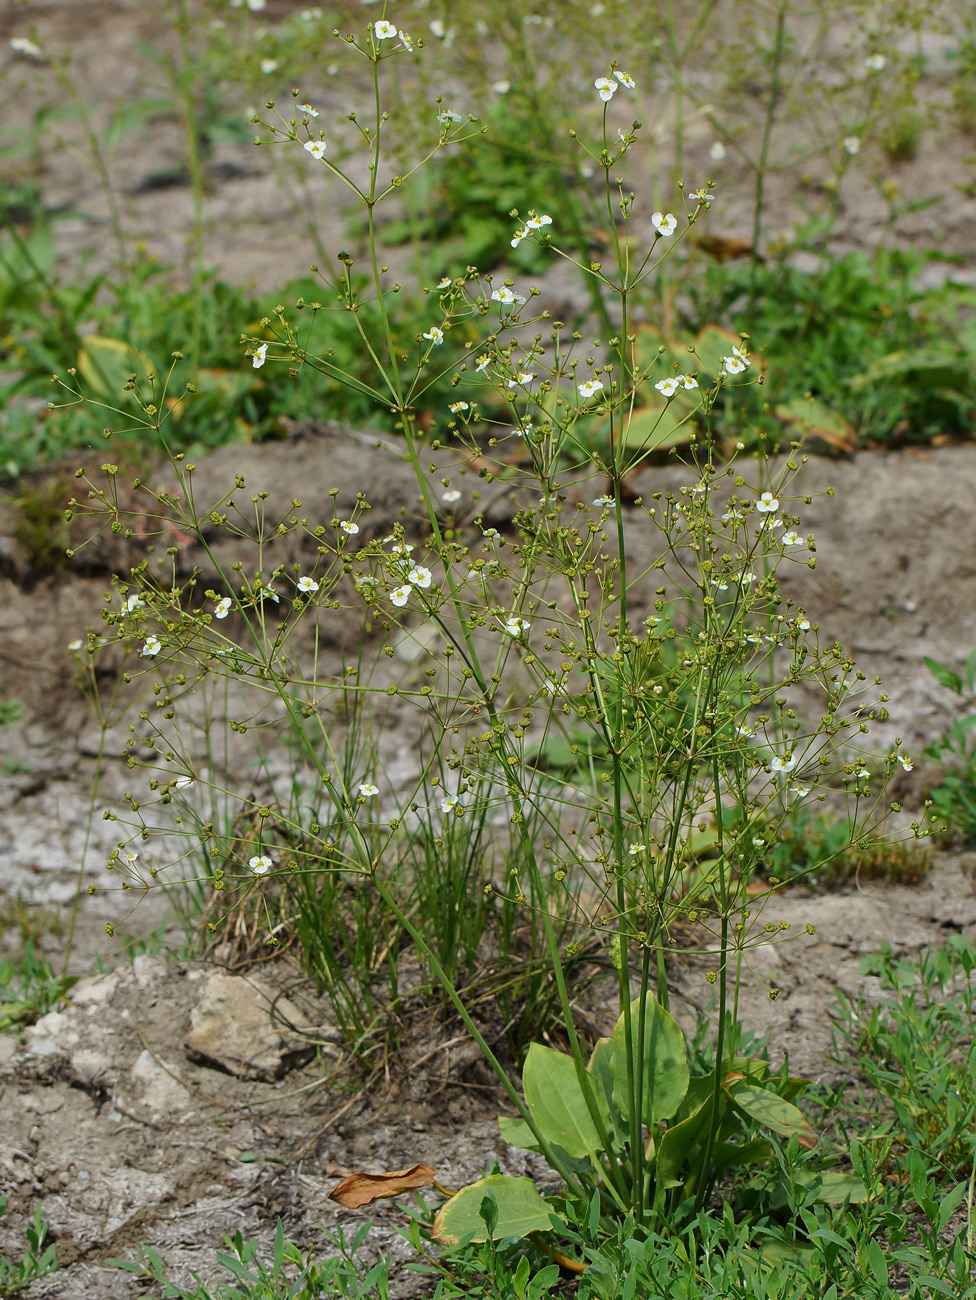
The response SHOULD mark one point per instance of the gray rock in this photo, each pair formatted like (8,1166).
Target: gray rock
(241,1027)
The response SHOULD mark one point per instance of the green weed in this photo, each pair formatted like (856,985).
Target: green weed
(953,800)
(290,1274)
(916,1052)
(29,988)
(38,1259)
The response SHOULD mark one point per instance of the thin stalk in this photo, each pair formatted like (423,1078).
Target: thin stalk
(762,162)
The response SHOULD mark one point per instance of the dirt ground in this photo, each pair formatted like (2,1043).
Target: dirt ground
(106,1117)
(126,1135)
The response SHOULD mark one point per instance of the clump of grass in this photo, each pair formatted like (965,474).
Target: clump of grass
(825,851)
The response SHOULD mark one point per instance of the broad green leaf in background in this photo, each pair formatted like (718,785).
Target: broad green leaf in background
(664,1066)
(836,1188)
(105,366)
(521,1210)
(554,1095)
(929,367)
(814,419)
(773,1112)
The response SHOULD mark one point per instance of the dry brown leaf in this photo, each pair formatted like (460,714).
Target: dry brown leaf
(363,1189)
(726,248)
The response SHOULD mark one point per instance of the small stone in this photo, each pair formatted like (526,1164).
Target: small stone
(161,1092)
(231,1029)
(96,989)
(148,969)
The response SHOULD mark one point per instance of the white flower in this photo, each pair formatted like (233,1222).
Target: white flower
(305,583)
(851,144)
(449,803)
(604,503)
(269,593)
(74,645)
(367,790)
(131,857)
(407,41)
(490,533)
(259,356)
(482,364)
(732,513)
(863,772)
(514,626)
(21,45)
(688,381)
(792,538)
(507,297)
(316,148)
(667,386)
(457,407)
(448,116)
(590,387)
(400,596)
(419,576)
(717,151)
(445,282)
(537,223)
(736,363)
(525,428)
(437,28)
(256,6)
(875,62)
(450,496)
(268,66)
(501,87)
(384,31)
(606,87)
(260,865)
(434,334)
(801,791)
(523,379)
(767,503)
(309,111)
(803,623)
(745,730)
(906,762)
(700,196)
(132,601)
(223,607)
(403,548)
(151,647)
(665,225)
(787,764)
(348,527)
(624,78)
(722,586)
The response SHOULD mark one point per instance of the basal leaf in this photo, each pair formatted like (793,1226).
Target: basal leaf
(517,1133)
(521,1210)
(773,1112)
(818,420)
(554,1095)
(663,1067)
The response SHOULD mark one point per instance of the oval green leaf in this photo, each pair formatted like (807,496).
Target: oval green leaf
(773,1112)
(555,1098)
(521,1210)
(664,1067)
